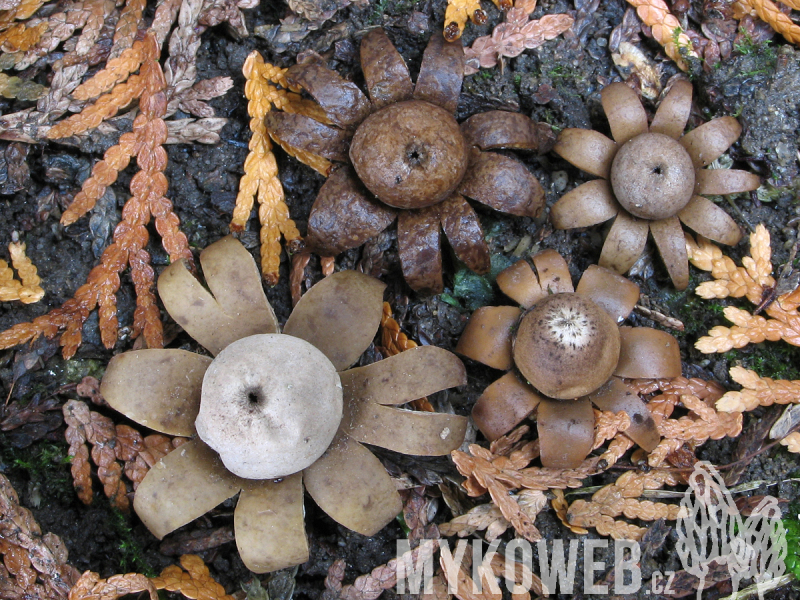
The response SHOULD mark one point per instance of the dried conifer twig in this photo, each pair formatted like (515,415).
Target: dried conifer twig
(26,289)
(104,108)
(666,29)
(260,177)
(91,587)
(116,449)
(758,391)
(771,13)
(792,442)
(186,131)
(194,582)
(620,498)
(21,89)
(393,342)
(127,26)
(149,187)
(116,71)
(60,27)
(34,565)
(752,280)
(516,34)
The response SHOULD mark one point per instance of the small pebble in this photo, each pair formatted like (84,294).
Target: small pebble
(559,179)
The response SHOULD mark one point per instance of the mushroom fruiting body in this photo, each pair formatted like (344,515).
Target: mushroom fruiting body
(652,179)
(564,351)
(270,406)
(411,160)
(276,413)
(566,346)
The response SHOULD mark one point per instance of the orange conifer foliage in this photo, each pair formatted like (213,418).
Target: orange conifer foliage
(771,13)
(148,188)
(754,281)
(260,177)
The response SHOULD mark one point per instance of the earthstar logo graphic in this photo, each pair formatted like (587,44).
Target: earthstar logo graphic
(711,529)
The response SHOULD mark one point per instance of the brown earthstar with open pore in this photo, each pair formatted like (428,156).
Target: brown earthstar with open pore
(652,179)
(404,156)
(563,352)
(277,413)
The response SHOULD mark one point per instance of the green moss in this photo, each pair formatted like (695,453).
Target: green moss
(46,465)
(698,315)
(131,556)
(792,526)
(560,72)
(377,13)
(777,360)
(76,369)
(470,290)
(763,54)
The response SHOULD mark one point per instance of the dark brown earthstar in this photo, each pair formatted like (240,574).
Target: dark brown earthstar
(400,154)
(410,154)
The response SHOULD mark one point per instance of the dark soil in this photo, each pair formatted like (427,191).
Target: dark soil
(558,83)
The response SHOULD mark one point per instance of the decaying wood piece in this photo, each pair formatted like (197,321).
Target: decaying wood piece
(34,565)
(149,187)
(260,177)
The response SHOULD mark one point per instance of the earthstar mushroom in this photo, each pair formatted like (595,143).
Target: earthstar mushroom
(402,155)
(652,179)
(277,413)
(563,352)
(271,422)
